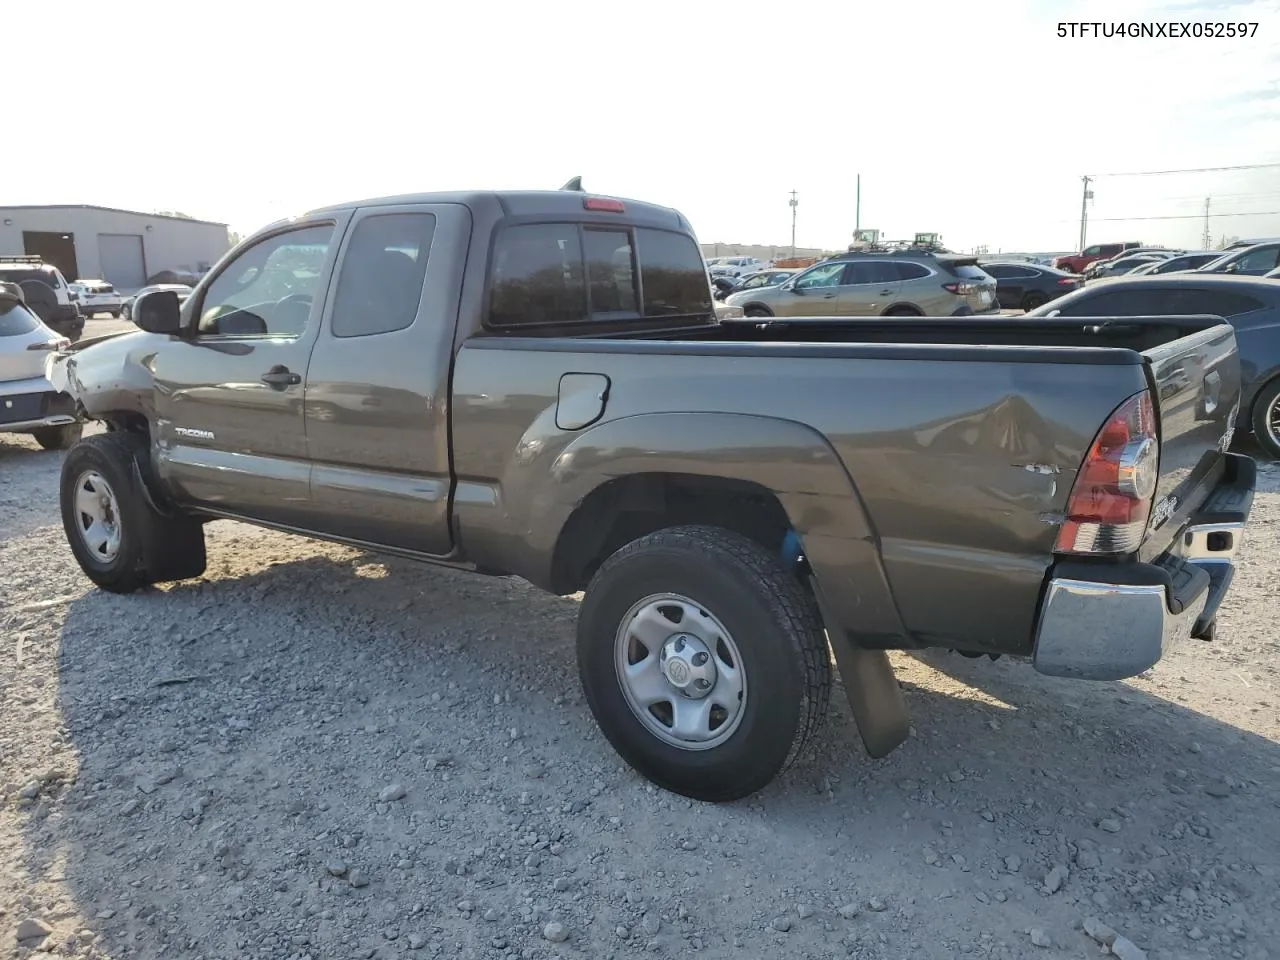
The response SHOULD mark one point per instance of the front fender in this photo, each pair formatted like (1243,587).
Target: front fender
(791,460)
(109,376)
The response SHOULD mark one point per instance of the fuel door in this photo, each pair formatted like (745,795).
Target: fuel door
(581,400)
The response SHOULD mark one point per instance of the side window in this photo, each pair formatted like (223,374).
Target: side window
(999,271)
(871,271)
(911,271)
(824,275)
(670,277)
(1258,261)
(1093,251)
(1219,303)
(537,276)
(267,290)
(611,283)
(380,281)
(1116,303)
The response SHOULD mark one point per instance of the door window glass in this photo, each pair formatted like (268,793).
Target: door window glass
(538,276)
(826,275)
(380,282)
(670,276)
(871,271)
(268,289)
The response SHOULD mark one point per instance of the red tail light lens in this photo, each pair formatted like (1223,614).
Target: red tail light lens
(1110,502)
(963,289)
(1068,282)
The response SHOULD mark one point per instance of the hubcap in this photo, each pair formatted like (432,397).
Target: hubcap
(97,516)
(1273,421)
(680,672)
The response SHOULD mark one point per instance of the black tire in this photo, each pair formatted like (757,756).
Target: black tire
(59,438)
(775,625)
(40,299)
(153,547)
(903,312)
(1267,436)
(757,311)
(1034,299)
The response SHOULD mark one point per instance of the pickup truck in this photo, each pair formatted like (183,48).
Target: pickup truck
(534,384)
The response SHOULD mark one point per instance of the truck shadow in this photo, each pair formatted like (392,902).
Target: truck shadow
(233,736)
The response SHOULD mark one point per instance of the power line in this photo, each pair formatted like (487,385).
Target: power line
(1184,216)
(1161,173)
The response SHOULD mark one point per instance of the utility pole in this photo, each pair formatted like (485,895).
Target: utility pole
(857,206)
(1085,196)
(794,203)
(1207,239)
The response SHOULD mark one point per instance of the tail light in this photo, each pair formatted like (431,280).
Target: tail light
(604,204)
(60,344)
(1110,502)
(963,288)
(1068,282)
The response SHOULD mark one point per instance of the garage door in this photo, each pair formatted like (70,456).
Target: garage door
(120,255)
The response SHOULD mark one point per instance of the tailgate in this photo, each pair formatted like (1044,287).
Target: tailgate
(1195,386)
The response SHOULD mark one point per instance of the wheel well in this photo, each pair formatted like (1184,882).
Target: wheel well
(123,421)
(903,310)
(622,510)
(757,306)
(1251,419)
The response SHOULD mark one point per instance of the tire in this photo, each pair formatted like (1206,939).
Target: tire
(139,545)
(1033,300)
(40,299)
(755,311)
(1265,418)
(903,312)
(59,438)
(732,589)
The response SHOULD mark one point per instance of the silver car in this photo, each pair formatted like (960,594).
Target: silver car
(28,402)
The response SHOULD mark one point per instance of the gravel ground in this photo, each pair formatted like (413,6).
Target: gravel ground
(316,752)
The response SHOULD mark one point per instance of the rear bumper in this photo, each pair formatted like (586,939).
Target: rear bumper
(31,404)
(1112,621)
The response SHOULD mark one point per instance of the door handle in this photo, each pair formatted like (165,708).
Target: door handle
(828,296)
(280,376)
(885,293)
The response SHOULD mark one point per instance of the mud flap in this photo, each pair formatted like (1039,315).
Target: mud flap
(875,698)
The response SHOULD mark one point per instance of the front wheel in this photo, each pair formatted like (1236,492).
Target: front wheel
(703,661)
(758,312)
(1266,418)
(59,438)
(1033,300)
(119,538)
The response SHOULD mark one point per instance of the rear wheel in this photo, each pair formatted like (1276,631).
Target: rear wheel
(704,662)
(58,438)
(1033,300)
(121,541)
(1266,418)
(757,312)
(903,312)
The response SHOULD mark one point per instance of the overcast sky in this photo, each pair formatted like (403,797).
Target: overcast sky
(971,119)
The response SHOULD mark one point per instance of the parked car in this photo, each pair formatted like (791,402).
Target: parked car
(1025,286)
(181,289)
(1076,262)
(1117,268)
(1255,261)
(1096,268)
(765,278)
(1186,261)
(47,293)
(737,498)
(1251,305)
(878,284)
(737,266)
(97,296)
(28,401)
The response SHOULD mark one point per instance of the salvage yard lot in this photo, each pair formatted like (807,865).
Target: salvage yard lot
(316,752)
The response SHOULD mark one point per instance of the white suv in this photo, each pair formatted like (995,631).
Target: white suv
(735,266)
(98,296)
(47,293)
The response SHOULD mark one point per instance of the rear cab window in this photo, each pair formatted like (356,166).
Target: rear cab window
(574,273)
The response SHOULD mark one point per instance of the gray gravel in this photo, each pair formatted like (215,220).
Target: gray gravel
(309,753)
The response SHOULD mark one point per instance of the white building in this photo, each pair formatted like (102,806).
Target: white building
(120,246)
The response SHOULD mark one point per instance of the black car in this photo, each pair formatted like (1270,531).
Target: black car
(1026,286)
(1187,261)
(1255,261)
(1251,305)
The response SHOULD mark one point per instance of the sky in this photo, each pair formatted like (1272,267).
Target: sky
(974,120)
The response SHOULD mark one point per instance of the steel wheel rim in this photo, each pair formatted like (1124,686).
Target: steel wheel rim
(1273,421)
(656,632)
(97,514)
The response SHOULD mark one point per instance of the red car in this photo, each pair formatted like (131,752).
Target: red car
(1099,251)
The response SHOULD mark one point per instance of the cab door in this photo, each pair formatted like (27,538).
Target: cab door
(230,433)
(377,388)
(815,293)
(869,287)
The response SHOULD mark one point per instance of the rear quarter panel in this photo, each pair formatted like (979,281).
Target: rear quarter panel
(959,470)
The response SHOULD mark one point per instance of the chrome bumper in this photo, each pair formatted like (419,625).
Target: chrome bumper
(1093,630)
(58,420)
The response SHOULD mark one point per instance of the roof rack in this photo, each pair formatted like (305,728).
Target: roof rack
(900,247)
(20,259)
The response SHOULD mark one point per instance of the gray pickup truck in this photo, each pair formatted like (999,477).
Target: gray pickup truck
(535,384)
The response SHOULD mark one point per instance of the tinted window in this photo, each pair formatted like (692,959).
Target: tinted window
(999,271)
(1257,261)
(611,281)
(1115,303)
(670,275)
(911,271)
(1221,303)
(871,271)
(538,276)
(380,282)
(1157,302)
(15,319)
(823,275)
(1092,251)
(971,272)
(267,290)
